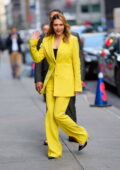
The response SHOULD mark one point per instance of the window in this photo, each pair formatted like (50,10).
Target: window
(85,8)
(95,8)
(71,9)
(71,22)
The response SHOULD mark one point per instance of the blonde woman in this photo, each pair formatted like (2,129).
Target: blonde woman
(62,82)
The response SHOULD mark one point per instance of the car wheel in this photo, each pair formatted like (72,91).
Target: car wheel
(118,81)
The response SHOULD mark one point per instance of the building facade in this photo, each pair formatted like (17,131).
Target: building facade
(30,14)
(109,10)
(90,10)
(3,27)
(81,11)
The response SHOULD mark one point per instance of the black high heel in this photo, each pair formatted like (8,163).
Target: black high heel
(82,146)
(50,157)
(45,142)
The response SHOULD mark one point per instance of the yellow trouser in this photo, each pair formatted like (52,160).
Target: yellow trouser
(56,117)
(16,58)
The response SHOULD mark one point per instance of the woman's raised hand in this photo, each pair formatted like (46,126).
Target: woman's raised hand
(35,35)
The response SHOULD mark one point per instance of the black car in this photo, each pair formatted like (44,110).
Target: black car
(93,43)
(109,61)
(83,29)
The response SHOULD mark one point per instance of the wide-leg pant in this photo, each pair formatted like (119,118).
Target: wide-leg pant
(55,118)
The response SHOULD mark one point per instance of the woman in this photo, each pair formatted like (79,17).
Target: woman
(62,81)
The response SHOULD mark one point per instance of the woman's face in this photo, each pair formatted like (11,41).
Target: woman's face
(58,27)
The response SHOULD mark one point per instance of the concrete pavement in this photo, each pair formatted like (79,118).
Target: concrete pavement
(22,113)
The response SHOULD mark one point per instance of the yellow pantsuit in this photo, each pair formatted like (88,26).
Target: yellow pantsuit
(55,118)
(63,79)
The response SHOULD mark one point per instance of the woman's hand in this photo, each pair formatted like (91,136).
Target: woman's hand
(39,86)
(77,92)
(35,35)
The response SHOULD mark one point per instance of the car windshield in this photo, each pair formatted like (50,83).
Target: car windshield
(82,29)
(79,30)
(95,40)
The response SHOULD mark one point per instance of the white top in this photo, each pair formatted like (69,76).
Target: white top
(14,45)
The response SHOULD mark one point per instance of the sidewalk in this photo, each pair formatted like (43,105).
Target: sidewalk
(22,113)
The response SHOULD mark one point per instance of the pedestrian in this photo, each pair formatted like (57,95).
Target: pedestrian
(62,81)
(44,28)
(1,47)
(13,43)
(42,68)
(1,44)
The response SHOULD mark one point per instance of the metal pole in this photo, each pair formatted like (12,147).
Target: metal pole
(27,14)
(78,11)
(38,21)
(90,11)
(102,8)
(103,15)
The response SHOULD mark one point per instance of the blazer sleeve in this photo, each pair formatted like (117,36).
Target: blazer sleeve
(76,66)
(37,55)
(81,55)
(38,72)
(20,41)
(39,66)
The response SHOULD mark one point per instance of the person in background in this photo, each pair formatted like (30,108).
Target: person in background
(42,68)
(1,44)
(1,47)
(63,80)
(13,43)
(44,28)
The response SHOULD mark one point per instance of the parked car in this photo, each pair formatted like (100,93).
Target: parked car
(82,29)
(109,61)
(93,43)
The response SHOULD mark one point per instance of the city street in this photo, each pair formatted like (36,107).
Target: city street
(22,113)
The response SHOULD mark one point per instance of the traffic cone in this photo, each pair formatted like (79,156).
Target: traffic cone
(33,70)
(101,96)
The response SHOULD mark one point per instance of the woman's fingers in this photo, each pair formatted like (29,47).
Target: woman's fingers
(35,35)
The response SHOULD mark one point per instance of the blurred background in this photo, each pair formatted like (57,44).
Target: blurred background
(30,14)
(96,21)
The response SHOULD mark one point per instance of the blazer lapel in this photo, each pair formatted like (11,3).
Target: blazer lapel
(51,48)
(51,45)
(59,49)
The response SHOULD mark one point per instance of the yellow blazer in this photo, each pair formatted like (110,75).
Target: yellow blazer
(66,66)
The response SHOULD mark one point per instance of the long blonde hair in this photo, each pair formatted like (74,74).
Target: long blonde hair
(66,31)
